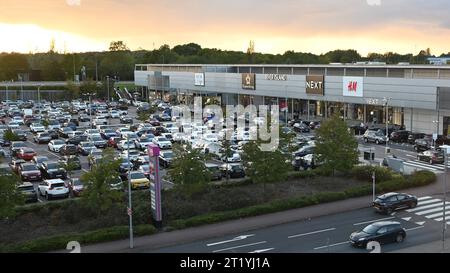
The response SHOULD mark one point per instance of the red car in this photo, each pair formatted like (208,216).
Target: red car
(26,153)
(112,142)
(29,172)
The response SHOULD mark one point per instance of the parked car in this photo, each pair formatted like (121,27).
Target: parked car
(113,141)
(98,141)
(108,133)
(69,149)
(53,133)
(162,142)
(126,120)
(138,180)
(72,160)
(38,160)
(27,189)
(389,202)
(432,156)
(53,169)
(374,136)
(412,137)
(75,186)
(400,136)
(143,142)
(16,146)
(29,172)
(84,118)
(56,145)
(301,128)
(42,138)
(232,170)
(124,167)
(214,170)
(423,144)
(21,134)
(85,147)
(381,232)
(15,165)
(65,131)
(165,158)
(26,153)
(53,188)
(77,139)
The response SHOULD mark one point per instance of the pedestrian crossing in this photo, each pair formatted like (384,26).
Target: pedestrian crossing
(436,168)
(432,208)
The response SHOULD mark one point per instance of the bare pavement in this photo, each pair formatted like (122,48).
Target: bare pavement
(166,239)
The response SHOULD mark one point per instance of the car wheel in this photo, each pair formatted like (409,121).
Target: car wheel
(399,238)
(389,211)
(413,205)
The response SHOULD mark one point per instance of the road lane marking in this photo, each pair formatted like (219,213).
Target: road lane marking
(262,250)
(367,222)
(337,244)
(414,228)
(421,203)
(447,212)
(311,233)
(238,238)
(424,198)
(436,204)
(430,211)
(234,247)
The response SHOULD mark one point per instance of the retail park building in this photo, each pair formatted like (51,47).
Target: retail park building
(416,96)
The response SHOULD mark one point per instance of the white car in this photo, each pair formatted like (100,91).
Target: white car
(122,132)
(75,133)
(37,128)
(134,154)
(100,121)
(56,145)
(171,127)
(124,145)
(91,132)
(234,158)
(162,142)
(114,114)
(178,137)
(51,188)
(142,142)
(18,120)
(210,138)
(13,124)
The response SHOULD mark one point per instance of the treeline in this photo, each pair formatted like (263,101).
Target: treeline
(119,61)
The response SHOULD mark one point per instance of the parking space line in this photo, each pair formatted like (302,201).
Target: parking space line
(234,247)
(336,244)
(414,228)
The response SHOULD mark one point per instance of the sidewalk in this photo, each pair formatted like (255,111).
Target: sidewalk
(177,237)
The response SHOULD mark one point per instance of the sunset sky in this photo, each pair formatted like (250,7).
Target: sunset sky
(317,26)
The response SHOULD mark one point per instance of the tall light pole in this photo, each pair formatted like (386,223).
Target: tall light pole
(386,103)
(444,222)
(39,97)
(437,133)
(130,208)
(107,83)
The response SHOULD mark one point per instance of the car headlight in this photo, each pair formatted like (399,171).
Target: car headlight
(361,239)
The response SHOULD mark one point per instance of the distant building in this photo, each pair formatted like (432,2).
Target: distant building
(439,60)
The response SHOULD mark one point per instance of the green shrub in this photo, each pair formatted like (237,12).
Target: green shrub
(364,173)
(422,178)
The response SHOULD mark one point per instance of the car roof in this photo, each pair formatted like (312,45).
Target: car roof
(387,195)
(25,184)
(385,223)
(57,180)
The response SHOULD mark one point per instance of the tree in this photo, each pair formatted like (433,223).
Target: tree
(98,194)
(73,90)
(336,147)
(118,46)
(10,197)
(11,136)
(188,168)
(265,166)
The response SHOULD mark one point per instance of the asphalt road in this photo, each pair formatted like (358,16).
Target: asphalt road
(320,235)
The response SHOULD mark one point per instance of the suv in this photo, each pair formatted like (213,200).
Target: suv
(374,136)
(214,170)
(423,144)
(412,137)
(400,136)
(27,189)
(432,156)
(389,202)
(381,232)
(52,188)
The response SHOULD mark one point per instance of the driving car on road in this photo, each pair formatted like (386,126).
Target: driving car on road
(432,156)
(374,136)
(381,232)
(389,202)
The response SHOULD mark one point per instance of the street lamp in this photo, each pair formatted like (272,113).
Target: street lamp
(130,209)
(90,105)
(386,104)
(39,97)
(437,133)
(107,83)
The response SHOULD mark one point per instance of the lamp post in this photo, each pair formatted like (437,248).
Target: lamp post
(107,83)
(437,133)
(130,208)
(386,103)
(39,97)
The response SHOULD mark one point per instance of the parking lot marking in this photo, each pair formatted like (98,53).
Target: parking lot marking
(311,233)
(241,246)
(372,221)
(424,198)
(414,228)
(336,244)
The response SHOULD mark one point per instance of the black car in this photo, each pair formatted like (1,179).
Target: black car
(306,150)
(85,147)
(84,118)
(4,142)
(389,202)
(21,134)
(69,149)
(126,120)
(423,144)
(232,170)
(165,158)
(53,133)
(359,129)
(98,141)
(301,128)
(64,132)
(432,156)
(124,167)
(77,139)
(400,136)
(381,232)
(108,133)
(52,169)
(27,189)
(412,137)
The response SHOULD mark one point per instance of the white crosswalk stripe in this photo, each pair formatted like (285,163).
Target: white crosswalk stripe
(436,168)
(432,208)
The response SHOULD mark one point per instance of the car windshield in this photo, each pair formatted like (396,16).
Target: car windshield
(29,168)
(87,145)
(58,142)
(168,155)
(19,145)
(26,188)
(379,134)
(162,139)
(57,185)
(137,175)
(77,182)
(97,139)
(51,166)
(44,135)
(41,159)
(370,229)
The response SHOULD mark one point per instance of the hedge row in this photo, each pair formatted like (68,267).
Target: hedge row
(420,178)
(45,244)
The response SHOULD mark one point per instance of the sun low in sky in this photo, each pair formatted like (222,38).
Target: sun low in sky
(403,26)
